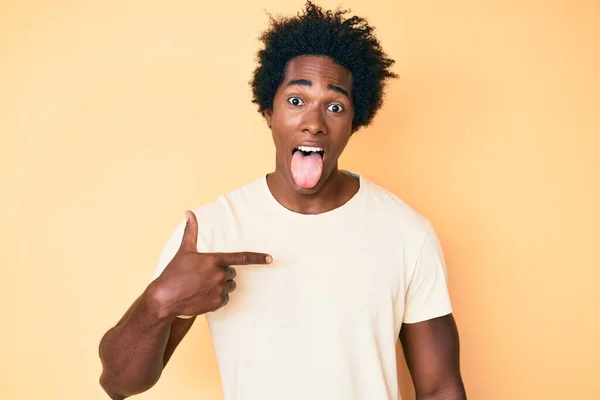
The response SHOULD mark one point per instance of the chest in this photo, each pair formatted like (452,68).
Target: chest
(319,277)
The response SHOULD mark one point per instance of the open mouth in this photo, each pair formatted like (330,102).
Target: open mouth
(307,165)
(308,150)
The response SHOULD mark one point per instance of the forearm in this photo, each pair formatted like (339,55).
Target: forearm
(132,352)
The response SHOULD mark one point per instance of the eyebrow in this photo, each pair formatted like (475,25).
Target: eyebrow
(306,82)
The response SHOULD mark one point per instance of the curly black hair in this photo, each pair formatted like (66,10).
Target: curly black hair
(347,41)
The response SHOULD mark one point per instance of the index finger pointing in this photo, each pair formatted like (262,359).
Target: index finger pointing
(243,258)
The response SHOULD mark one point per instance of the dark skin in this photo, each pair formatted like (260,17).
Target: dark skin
(432,352)
(305,109)
(312,106)
(136,350)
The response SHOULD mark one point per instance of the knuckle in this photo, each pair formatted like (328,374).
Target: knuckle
(217,278)
(245,259)
(217,302)
(222,275)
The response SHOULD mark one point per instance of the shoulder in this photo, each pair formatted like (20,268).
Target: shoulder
(392,211)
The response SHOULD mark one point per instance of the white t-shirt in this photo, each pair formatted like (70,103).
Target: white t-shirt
(322,320)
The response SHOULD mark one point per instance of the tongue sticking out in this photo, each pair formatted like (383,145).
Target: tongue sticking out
(307,169)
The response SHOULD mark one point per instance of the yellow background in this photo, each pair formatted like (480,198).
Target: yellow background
(117,116)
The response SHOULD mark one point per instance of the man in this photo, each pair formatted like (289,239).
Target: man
(333,269)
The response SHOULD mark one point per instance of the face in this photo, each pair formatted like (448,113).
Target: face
(313,111)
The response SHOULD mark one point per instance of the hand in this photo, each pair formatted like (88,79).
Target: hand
(194,283)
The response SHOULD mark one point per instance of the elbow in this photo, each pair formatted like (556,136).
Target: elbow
(120,380)
(117,389)
(109,387)
(449,390)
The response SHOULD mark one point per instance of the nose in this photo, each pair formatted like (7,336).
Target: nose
(314,123)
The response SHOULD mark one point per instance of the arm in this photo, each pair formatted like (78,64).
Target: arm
(135,351)
(432,353)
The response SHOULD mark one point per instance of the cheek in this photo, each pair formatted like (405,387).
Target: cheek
(282,128)
(284,120)
(280,139)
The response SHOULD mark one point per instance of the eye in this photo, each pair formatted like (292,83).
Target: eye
(336,108)
(295,101)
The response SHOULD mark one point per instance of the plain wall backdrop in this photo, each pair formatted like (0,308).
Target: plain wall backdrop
(115,117)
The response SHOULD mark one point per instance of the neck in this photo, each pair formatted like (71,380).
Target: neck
(336,191)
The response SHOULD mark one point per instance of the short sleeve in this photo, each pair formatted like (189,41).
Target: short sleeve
(427,293)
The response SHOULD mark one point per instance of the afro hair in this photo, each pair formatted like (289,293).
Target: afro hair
(347,41)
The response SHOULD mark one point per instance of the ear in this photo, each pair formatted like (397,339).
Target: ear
(268,115)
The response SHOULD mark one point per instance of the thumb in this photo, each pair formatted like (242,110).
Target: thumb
(190,232)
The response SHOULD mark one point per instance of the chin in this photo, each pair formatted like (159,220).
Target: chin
(306,191)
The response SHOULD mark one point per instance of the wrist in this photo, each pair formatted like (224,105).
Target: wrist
(157,303)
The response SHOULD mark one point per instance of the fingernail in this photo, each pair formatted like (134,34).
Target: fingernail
(269,259)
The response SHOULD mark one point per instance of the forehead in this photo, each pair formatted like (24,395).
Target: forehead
(318,69)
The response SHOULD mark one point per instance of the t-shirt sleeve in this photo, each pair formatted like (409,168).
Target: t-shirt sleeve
(427,293)
(169,249)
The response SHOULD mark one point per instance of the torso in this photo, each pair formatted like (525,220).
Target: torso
(321,321)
